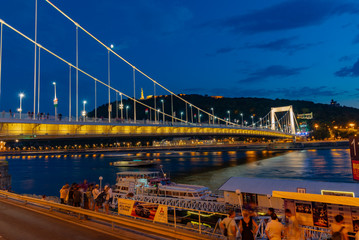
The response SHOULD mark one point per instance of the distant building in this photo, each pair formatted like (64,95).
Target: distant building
(217,97)
(142,97)
(334,103)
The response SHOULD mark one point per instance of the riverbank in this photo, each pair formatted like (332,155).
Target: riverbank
(197,148)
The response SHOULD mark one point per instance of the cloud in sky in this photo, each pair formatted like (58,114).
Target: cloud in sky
(278,71)
(352,71)
(287,15)
(282,44)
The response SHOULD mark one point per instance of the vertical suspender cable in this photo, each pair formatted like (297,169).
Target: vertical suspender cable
(172,107)
(70,93)
(109,90)
(34,109)
(38,84)
(134,94)
(154,99)
(186,114)
(116,105)
(1,32)
(77,73)
(95,100)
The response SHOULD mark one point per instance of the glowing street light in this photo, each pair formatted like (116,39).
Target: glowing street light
(163,109)
(252,120)
(191,112)
(242,118)
(229,115)
(127,107)
(56,101)
(21,95)
(181,115)
(213,114)
(84,109)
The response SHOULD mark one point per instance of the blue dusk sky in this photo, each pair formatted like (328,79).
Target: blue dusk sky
(297,49)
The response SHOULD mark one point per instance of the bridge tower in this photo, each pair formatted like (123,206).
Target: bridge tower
(289,109)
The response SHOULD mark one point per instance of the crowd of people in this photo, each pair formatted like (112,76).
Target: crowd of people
(87,196)
(246,228)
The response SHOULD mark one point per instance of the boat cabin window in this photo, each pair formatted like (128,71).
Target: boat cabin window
(250,199)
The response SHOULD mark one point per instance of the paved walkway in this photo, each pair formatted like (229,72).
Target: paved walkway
(20,222)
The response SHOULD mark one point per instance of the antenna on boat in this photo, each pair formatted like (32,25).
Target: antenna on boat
(164,174)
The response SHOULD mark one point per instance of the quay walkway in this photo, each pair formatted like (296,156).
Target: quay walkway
(28,218)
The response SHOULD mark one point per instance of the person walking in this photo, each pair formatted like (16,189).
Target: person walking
(228,226)
(338,229)
(292,231)
(247,226)
(64,192)
(274,229)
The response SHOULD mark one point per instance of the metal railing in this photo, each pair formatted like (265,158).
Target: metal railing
(170,230)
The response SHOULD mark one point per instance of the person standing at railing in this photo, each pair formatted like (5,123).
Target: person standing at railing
(338,229)
(228,226)
(274,229)
(63,193)
(247,226)
(292,230)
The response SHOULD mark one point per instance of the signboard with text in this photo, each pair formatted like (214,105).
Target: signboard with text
(354,155)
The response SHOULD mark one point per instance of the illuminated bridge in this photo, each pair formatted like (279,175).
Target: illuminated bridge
(187,120)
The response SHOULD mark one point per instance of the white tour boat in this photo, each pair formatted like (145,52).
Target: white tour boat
(157,184)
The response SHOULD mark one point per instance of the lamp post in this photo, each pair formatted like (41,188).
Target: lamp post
(127,107)
(100,178)
(213,114)
(181,115)
(238,192)
(229,115)
(163,110)
(21,95)
(191,113)
(260,122)
(55,100)
(242,118)
(84,110)
(121,107)
(252,121)
(158,114)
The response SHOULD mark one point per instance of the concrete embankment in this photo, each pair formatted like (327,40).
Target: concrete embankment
(198,148)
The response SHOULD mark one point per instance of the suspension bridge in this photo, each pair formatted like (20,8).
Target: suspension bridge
(188,120)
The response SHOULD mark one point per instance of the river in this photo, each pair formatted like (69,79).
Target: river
(45,174)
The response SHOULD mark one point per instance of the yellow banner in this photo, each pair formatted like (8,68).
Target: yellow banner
(161,214)
(125,206)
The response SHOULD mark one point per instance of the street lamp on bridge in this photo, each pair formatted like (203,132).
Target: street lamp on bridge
(242,118)
(163,109)
(84,110)
(181,115)
(213,114)
(127,107)
(191,113)
(55,100)
(252,120)
(21,95)
(229,115)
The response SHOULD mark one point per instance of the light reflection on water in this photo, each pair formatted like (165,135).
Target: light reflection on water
(47,173)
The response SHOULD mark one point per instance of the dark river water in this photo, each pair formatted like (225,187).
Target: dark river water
(46,174)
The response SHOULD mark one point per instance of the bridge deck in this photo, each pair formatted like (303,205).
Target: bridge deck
(48,129)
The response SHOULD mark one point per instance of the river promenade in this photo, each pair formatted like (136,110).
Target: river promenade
(204,147)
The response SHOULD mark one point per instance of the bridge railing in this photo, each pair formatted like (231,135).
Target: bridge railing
(46,118)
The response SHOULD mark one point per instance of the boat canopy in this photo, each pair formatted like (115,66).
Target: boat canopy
(265,186)
(339,200)
(129,173)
